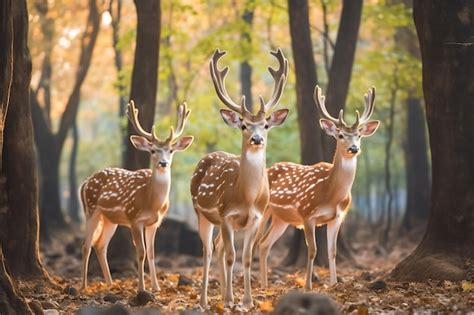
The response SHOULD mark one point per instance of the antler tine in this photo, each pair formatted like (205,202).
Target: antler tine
(132,113)
(279,76)
(183,114)
(218,78)
(319,100)
(369,99)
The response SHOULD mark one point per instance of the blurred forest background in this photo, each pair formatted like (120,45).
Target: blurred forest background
(95,71)
(87,59)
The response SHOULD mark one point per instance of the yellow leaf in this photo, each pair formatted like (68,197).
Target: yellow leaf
(266,306)
(467,286)
(173,277)
(300,281)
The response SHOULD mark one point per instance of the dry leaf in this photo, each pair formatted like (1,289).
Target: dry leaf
(467,286)
(266,306)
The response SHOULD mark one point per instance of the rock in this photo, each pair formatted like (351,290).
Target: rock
(142,298)
(164,263)
(299,303)
(51,312)
(110,297)
(36,307)
(70,291)
(48,304)
(378,285)
(150,311)
(185,239)
(116,309)
(183,280)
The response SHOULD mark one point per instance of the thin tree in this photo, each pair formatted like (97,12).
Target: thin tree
(246,42)
(143,92)
(50,143)
(447,55)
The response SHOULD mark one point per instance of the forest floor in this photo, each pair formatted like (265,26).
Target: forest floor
(364,286)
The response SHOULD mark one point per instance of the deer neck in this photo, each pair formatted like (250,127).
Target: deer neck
(252,173)
(159,187)
(342,175)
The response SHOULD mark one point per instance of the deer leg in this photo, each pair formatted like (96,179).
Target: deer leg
(221,261)
(205,232)
(91,230)
(247,261)
(275,231)
(100,248)
(150,232)
(137,235)
(261,232)
(227,233)
(332,232)
(311,243)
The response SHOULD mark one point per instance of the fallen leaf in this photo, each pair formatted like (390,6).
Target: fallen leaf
(467,286)
(266,306)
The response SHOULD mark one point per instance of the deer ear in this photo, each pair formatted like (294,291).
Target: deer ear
(278,117)
(183,143)
(369,128)
(140,143)
(328,126)
(231,118)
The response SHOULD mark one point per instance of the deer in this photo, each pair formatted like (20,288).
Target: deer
(135,199)
(231,191)
(307,196)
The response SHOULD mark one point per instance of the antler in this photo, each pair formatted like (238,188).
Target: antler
(319,99)
(218,78)
(279,76)
(369,99)
(183,113)
(132,113)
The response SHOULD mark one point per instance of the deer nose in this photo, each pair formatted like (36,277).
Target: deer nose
(353,149)
(163,163)
(257,140)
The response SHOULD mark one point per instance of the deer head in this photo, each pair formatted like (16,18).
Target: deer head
(161,151)
(348,137)
(254,126)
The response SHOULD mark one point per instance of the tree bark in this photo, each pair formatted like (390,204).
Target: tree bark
(144,76)
(73,204)
(445,32)
(245,67)
(50,144)
(417,166)
(19,216)
(143,92)
(311,136)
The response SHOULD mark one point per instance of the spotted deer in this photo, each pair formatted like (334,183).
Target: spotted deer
(136,199)
(231,191)
(307,196)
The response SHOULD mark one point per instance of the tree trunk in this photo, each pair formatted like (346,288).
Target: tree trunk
(388,171)
(73,204)
(50,144)
(311,136)
(417,166)
(445,33)
(341,65)
(19,217)
(245,67)
(143,92)
(144,76)
(11,300)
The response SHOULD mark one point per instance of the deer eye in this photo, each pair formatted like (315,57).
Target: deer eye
(152,151)
(341,136)
(243,127)
(267,126)
(171,151)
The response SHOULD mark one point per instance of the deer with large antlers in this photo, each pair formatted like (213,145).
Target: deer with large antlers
(307,196)
(232,191)
(136,199)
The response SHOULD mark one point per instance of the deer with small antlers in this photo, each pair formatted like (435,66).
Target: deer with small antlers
(232,191)
(307,196)
(136,199)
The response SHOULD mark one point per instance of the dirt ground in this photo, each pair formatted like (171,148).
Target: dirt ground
(363,288)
